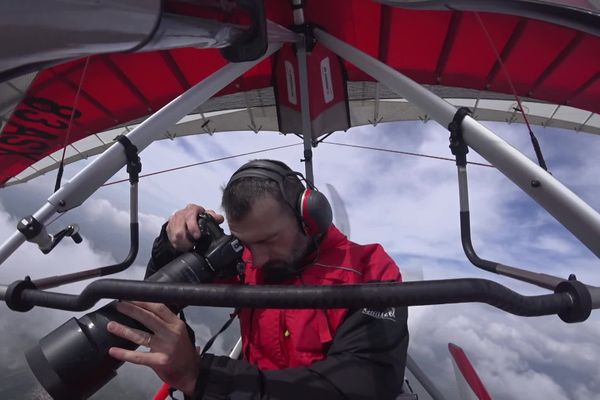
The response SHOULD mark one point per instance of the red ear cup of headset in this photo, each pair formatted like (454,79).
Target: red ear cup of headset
(315,212)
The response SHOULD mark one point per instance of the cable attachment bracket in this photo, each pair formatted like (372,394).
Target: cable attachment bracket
(35,232)
(134,163)
(457,143)
(308,155)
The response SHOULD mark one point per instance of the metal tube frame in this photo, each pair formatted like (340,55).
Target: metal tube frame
(542,280)
(571,302)
(305,108)
(572,212)
(95,174)
(59,280)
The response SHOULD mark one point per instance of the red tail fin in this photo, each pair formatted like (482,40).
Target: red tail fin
(468,381)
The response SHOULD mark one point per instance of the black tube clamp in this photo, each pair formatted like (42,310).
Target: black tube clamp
(134,164)
(30,227)
(13,295)
(582,301)
(308,30)
(254,44)
(457,143)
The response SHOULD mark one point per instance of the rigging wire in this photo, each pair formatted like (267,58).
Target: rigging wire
(407,153)
(59,215)
(61,166)
(534,141)
(205,162)
(297,144)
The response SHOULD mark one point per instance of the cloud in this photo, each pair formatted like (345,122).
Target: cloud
(533,358)
(553,243)
(99,216)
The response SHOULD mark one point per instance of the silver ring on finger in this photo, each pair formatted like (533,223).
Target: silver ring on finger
(147,341)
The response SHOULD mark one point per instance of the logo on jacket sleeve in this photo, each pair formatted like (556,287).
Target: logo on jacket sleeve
(388,313)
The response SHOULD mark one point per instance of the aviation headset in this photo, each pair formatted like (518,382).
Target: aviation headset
(311,206)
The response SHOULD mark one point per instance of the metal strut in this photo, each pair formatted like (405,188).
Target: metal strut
(134,167)
(303,47)
(460,149)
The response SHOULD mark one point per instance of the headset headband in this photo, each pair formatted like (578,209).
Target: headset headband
(269,170)
(311,207)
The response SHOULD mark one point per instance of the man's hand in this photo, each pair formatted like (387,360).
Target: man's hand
(183,230)
(172,355)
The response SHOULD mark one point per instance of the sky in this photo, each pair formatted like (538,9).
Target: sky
(408,204)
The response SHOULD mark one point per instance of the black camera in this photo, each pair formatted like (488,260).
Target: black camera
(72,362)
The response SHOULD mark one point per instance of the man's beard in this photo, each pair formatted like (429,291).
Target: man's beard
(278,271)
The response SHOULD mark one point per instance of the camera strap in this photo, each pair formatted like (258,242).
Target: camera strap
(209,343)
(226,325)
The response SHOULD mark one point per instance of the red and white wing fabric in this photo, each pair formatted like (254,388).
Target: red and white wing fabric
(469,384)
(328,99)
(470,58)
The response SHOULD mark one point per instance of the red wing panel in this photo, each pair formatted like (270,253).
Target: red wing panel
(357,22)
(471,58)
(328,101)
(588,93)
(287,83)
(142,77)
(37,128)
(571,79)
(421,39)
(529,57)
(327,88)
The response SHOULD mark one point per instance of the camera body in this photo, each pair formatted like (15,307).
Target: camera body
(214,256)
(72,362)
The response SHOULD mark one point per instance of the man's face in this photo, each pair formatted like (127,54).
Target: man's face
(271,233)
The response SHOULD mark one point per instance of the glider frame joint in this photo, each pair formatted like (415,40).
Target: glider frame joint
(134,164)
(582,300)
(307,31)
(252,45)
(12,297)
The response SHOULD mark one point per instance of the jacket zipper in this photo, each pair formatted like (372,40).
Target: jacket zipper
(283,340)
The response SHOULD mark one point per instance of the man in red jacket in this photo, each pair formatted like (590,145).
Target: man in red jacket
(287,354)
